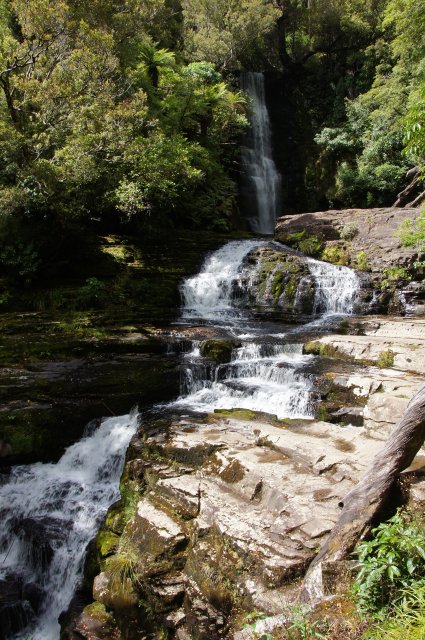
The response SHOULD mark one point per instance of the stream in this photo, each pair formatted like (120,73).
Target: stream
(51,512)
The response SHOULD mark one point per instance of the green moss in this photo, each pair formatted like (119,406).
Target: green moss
(97,611)
(219,351)
(336,254)
(237,414)
(106,543)
(309,244)
(323,413)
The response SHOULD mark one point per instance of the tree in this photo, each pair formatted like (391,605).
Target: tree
(228,33)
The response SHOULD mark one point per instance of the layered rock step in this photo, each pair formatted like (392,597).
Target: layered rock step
(232,511)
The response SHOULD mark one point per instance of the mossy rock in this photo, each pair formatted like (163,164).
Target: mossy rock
(106,543)
(219,351)
(316,348)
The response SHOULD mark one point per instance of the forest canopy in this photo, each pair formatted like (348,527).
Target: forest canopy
(129,113)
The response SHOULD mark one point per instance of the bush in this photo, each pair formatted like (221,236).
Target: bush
(386,359)
(391,562)
(394,276)
(310,245)
(361,262)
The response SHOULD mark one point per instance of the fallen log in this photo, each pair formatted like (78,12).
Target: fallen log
(363,505)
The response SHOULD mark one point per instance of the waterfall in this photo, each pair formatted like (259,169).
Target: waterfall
(257,157)
(336,288)
(267,371)
(210,294)
(49,514)
(260,377)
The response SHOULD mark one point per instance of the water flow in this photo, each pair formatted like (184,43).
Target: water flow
(257,157)
(210,294)
(50,513)
(336,288)
(260,377)
(267,372)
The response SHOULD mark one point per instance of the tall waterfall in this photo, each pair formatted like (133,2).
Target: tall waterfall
(257,157)
(49,514)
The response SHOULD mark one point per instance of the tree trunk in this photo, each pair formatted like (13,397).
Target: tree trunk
(364,504)
(405,196)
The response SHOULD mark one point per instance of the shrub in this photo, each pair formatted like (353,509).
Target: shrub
(386,359)
(393,276)
(392,561)
(409,619)
(360,262)
(310,245)
(348,231)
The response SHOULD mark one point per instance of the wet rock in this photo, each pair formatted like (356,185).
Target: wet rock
(278,283)
(219,351)
(19,602)
(95,623)
(40,536)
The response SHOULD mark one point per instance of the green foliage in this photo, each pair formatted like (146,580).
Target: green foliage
(229,34)
(361,262)
(93,294)
(336,255)
(99,116)
(308,244)
(392,561)
(364,148)
(386,359)
(393,276)
(407,621)
(412,233)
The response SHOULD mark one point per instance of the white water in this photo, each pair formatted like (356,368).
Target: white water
(336,288)
(260,377)
(266,373)
(209,294)
(258,157)
(67,500)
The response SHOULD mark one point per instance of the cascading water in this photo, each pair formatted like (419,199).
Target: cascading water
(209,295)
(266,372)
(257,157)
(49,514)
(336,288)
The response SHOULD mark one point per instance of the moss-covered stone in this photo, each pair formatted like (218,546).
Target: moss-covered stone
(219,351)
(106,543)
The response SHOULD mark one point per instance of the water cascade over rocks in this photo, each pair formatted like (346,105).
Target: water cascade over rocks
(49,514)
(257,158)
(266,370)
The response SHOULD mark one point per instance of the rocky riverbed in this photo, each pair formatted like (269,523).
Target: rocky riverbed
(228,491)
(228,509)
